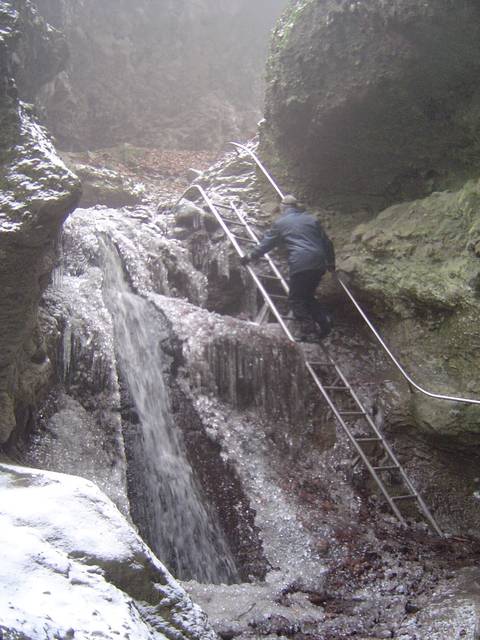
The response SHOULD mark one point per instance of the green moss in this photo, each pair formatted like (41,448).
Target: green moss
(417,265)
(287,23)
(421,251)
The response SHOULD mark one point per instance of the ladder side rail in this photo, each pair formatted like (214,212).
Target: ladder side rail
(359,449)
(405,375)
(390,452)
(254,236)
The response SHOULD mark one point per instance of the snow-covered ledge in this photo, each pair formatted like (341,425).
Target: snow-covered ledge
(72,567)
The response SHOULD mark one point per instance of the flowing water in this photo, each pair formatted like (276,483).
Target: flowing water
(186,535)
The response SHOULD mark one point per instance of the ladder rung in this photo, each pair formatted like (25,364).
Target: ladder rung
(247,240)
(231,221)
(336,388)
(314,363)
(386,467)
(279,296)
(352,413)
(222,206)
(268,277)
(290,318)
(408,496)
(368,439)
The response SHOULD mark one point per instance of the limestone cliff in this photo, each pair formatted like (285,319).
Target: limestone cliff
(37,194)
(372,102)
(174,74)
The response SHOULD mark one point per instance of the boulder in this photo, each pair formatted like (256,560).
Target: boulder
(372,102)
(416,269)
(64,543)
(103,186)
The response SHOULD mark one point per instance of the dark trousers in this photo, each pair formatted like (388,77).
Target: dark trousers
(303,304)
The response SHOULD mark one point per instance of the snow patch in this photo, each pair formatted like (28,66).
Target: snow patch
(72,567)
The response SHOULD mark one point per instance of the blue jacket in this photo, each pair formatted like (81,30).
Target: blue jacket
(308,246)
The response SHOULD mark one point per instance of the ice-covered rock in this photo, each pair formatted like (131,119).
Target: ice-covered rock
(37,193)
(72,567)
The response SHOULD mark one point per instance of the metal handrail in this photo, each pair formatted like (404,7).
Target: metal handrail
(408,378)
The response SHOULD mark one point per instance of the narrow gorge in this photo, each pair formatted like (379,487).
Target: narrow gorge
(168,467)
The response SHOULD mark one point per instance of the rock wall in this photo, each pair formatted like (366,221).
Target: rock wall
(171,74)
(372,104)
(37,193)
(369,103)
(416,267)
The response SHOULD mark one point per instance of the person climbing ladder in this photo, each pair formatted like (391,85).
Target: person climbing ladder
(310,254)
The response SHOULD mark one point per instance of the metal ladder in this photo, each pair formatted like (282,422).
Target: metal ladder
(344,403)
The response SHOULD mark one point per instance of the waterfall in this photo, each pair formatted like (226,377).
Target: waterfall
(184,532)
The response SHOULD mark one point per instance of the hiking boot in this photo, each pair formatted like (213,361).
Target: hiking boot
(325,327)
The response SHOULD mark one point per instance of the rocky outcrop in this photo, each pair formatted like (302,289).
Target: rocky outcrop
(170,74)
(416,266)
(37,194)
(72,545)
(370,103)
(101,185)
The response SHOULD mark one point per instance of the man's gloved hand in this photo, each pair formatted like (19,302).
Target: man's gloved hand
(244,260)
(331,268)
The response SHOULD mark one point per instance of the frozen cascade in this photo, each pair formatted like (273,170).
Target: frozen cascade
(187,536)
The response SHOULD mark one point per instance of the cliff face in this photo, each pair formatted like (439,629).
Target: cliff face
(37,192)
(172,74)
(372,104)
(369,103)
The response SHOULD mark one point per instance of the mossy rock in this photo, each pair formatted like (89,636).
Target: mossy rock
(416,268)
(370,102)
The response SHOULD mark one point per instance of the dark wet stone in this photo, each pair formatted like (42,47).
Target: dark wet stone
(360,105)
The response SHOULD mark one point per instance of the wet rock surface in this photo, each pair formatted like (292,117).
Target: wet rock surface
(370,103)
(37,194)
